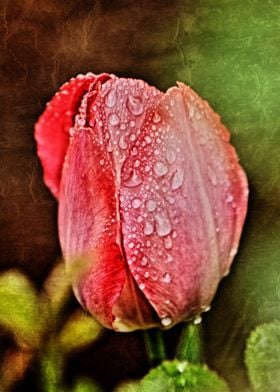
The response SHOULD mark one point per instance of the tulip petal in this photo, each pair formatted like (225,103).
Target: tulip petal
(183,202)
(52,128)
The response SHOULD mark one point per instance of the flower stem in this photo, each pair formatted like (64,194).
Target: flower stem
(190,344)
(155,347)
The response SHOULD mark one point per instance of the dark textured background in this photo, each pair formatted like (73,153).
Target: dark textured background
(226,50)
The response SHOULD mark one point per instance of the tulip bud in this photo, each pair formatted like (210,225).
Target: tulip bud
(151,197)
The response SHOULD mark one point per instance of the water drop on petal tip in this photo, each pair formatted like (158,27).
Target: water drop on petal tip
(166,321)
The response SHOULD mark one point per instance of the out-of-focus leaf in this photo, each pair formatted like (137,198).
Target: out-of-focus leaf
(51,368)
(130,386)
(19,308)
(57,288)
(79,331)
(13,367)
(85,385)
(262,357)
(176,376)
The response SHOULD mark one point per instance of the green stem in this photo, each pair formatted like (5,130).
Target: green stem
(155,347)
(190,344)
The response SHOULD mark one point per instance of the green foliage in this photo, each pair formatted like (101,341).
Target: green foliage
(79,331)
(262,357)
(19,310)
(176,376)
(190,346)
(85,385)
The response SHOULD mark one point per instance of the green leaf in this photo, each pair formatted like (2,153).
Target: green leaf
(19,308)
(130,386)
(86,385)
(262,357)
(79,331)
(57,289)
(51,368)
(176,376)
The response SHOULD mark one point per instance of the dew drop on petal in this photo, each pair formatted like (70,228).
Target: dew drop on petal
(166,321)
(170,156)
(151,205)
(177,179)
(136,203)
(133,180)
(148,228)
(144,261)
(122,143)
(156,118)
(168,243)
(135,105)
(113,119)
(166,278)
(197,320)
(142,286)
(160,169)
(111,98)
(163,225)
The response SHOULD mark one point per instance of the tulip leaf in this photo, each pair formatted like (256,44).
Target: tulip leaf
(262,357)
(19,308)
(79,331)
(176,376)
(85,385)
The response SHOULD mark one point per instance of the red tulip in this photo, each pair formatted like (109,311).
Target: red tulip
(151,197)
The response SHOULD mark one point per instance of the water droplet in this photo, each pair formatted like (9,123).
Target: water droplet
(148,139)
(163,225)
(148,228)
(156,118)
(131,245)
(166,278)
(136,203)
(144,261)
(142,286)
(168,243)
(135,105)
(109,147)
(229,198)
(134,151)
(111,98)
(197,320)
(132,124)
(146,274)
(151,205)
(197,115)
(101,162)
(122,143)
(134,180)
(169,199)
(177,179)
(181,367)
(160,169)
(132,137)
(233,252)
(113,119)
(206,308)
(166,321)
(170,156)
(169,258)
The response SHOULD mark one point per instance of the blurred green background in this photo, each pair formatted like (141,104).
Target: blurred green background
(229,52)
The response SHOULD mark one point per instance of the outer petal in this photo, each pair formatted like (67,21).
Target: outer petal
(90,227)
(52,128)
(183,195)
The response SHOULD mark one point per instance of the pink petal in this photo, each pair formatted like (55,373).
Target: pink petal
(52,128)
(183,195)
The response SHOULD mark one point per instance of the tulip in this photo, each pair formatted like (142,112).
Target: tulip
(152,199)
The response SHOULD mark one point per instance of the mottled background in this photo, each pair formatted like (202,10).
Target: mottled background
(226,50)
